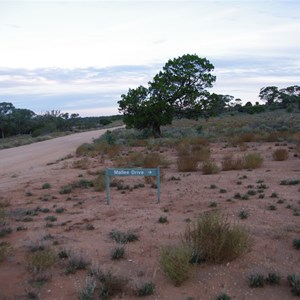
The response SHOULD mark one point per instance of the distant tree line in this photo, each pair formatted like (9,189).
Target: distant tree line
(15,121)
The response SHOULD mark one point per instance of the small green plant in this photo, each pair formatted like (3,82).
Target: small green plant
(280,154)
(66,190)
(251,192)
(273,279)
(163,219)
(60,210)
(145,289)
(76,262)
(89,226)
(290,182)
(123,237)
(5,231)
(243,214)
(4,249)
(46,186)
(117,253)
(256,280)
(213,204)
(272,207)
(87,293)
(237,196)
(174,260)
(294,281)
(223,191)
(296,244)
(274,195)
(223,296)
(213,186)
(51,218)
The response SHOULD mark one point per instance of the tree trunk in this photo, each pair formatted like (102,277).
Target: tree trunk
(156,131)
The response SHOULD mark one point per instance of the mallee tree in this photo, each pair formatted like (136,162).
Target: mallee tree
(179,90)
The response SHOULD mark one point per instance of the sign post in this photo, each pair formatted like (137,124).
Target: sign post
(132,172)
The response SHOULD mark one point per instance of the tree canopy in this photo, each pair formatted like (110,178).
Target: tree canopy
(179,90)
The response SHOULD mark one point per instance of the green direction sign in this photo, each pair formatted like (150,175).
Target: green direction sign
(132,172)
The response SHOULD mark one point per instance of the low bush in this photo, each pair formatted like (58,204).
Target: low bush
(145,289)
(256,280)
(210,167)
(253,161)
(174,261)
(214,239)
(4,249)
(123,237)
(280,154)
(76,261)
(231,163)
(41,260)
(187,164)
(294,281)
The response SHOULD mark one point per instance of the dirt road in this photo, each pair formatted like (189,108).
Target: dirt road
(21,159)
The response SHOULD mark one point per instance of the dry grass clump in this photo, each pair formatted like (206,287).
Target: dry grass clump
(175,262)
(99,182)
(229,162)
(253,161)
(82,163)
(210,167)
(41,260)
(213,239)
(187,164)
(4,249)
(280,154)
(248,161)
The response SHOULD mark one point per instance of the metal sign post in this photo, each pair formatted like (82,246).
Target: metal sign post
(132,172)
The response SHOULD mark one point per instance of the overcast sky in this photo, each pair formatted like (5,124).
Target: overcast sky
(80,56)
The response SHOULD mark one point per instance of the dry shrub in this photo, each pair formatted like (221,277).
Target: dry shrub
(87,150)
(187,164)
(183,148)
(41,260)
(82,163)
(153,160)
(135,159)
(297,148)
(100,182)
(4,250)
(200,141)
(213,239)
(174,260)
(280,154)
(210,167)
(200,153)
(253,161)
(113,151)
(231,163)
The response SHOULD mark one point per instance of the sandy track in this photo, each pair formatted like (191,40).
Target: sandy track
(23,158)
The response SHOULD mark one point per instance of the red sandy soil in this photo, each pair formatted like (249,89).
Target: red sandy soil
(25,169)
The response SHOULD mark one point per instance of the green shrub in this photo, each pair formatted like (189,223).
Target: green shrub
(256,280)
(294,281)
(145,289)
(76,262)
(174,260)
(273,279)
(223,297)
(46,186)
(214,239)
(296,243)
(117,253)
(123,237)
(243,214)
(290,182)
(66,190)
(163,219)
